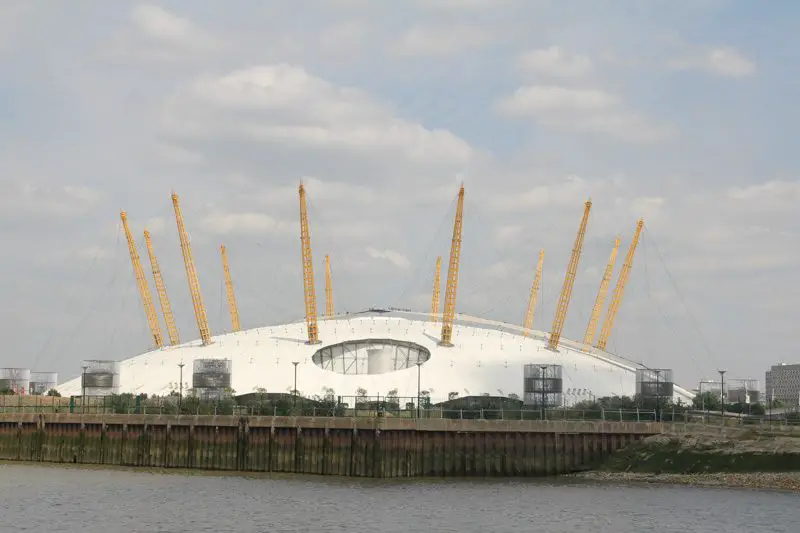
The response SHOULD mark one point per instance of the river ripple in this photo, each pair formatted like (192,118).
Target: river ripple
(70,499)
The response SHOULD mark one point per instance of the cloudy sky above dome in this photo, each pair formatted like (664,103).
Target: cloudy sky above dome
(680,112)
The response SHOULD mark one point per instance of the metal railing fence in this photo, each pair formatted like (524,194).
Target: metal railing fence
(476,408)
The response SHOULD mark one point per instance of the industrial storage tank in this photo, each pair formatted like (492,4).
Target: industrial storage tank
(543,385)
(743,391)
(42,382)
(654,383)
(100,378)
(211,378)
(15,380)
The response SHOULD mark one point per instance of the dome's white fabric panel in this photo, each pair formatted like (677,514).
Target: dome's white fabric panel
(487,357)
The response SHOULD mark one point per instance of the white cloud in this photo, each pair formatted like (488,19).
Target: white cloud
(347,36)
(724,61)
(503,269)
(94,252)
(631,126)
(440,40)
(508,234)
(724,231)
(178,155)
(329,193)
(164,27)
(220,223)
(554,61)
(159,36)
(335,192)
(37,198)
(283,104)
(394,257)
(768,197)
(536,99)
(588,110)
(565,193)
(14,19)
(155,225)
(649,207)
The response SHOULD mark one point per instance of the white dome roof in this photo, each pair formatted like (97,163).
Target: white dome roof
(486,357)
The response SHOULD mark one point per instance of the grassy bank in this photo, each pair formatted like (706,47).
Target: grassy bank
(741,452)
(741,459)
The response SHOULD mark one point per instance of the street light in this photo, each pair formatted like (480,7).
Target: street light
(180,387)
(419,383)
(722,393)
(83,387)
(658,394)
(700,393)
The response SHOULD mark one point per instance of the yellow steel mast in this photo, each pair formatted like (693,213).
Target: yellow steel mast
(141,282)
(229,289)
(437,283)
(622,280)
(191,275)
(537,282)
(452,274)
(308,271)
(591,328)
(161,289)
(328,288)
(569,281)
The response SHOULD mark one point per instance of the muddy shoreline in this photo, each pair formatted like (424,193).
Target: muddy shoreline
(786,481)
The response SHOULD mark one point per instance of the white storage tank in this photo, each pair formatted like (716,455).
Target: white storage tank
(42,382)
(16,380)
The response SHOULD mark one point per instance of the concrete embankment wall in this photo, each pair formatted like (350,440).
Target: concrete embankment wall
(379,447)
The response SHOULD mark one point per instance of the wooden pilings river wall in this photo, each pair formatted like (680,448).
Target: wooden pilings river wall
(312,445)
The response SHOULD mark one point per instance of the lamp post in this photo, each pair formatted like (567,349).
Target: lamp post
(419,384)
(722,393)
(658,394)
(180,387)
(83,389)
(700,393)
(294,391)
(771,401)
(703,400)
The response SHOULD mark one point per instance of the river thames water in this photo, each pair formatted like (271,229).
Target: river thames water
(70,499)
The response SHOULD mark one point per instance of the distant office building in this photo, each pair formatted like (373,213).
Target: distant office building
(783,383)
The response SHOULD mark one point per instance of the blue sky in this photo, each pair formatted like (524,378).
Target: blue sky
(681,112)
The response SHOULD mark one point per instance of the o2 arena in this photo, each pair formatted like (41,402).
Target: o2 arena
(378,350)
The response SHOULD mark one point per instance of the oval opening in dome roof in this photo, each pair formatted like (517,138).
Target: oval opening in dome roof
(370,356)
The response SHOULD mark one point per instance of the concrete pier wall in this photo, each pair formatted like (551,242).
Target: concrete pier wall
(377,447)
